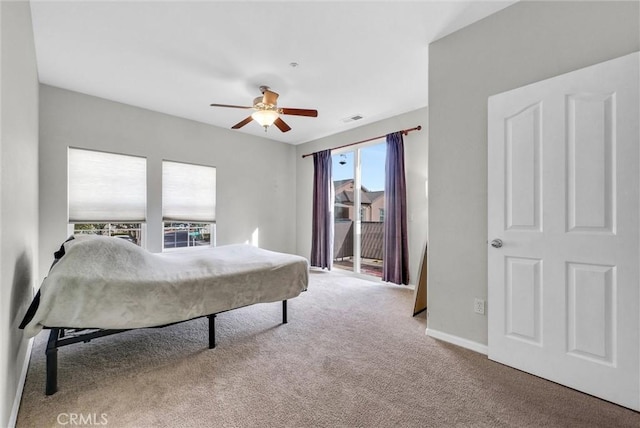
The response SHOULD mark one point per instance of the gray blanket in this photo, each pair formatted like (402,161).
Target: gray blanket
(113,284)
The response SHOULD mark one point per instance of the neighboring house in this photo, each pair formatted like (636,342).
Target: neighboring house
(371,202)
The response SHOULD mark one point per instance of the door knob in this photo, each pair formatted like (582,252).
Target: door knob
(496,243)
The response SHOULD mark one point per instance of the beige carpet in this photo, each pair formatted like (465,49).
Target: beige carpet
(351,356)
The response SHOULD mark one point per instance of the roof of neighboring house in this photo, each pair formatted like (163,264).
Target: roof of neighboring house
(366,198)
(375,195)
(339,183)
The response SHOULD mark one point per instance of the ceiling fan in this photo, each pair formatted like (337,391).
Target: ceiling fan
(267,112)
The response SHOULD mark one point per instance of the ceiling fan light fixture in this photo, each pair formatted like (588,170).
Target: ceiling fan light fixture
(266,111)
(265,117)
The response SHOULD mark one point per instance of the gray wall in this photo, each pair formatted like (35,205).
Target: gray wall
(521,44)
(18,193)
(255,177)
(415,145)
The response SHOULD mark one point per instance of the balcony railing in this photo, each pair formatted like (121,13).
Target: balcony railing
(371,239)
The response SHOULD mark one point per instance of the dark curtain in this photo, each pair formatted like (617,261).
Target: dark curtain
(322,227)
(395,265)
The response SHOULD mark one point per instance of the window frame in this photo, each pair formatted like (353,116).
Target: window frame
(210,224)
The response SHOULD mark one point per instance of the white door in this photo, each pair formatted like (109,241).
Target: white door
(563,175)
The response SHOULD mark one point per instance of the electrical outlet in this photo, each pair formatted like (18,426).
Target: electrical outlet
(478,306)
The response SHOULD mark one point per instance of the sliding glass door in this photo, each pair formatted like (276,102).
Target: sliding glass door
(358,176)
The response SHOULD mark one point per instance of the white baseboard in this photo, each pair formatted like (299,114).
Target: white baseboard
(13,418)
(459,341)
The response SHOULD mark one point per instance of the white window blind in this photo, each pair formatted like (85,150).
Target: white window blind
(188,192)
(106,187)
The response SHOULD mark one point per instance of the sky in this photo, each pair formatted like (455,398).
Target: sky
(372,160)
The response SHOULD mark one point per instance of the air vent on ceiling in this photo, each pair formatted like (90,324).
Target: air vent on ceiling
(353,118)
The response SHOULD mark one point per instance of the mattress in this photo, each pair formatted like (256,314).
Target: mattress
(110,283)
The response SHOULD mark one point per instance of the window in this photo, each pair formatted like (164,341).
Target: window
(107,193)
(341,213)
(178,235)
(188,204)
(381,214)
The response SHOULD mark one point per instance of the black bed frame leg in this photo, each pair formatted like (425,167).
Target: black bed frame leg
(52,362)
(212,330)
(284,312)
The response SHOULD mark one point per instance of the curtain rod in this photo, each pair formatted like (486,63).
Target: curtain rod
(404,131)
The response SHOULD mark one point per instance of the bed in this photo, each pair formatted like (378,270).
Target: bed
(99,286)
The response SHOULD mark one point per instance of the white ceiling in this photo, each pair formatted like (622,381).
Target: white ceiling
(355,57)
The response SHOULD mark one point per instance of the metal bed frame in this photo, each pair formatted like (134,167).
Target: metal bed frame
(58,338)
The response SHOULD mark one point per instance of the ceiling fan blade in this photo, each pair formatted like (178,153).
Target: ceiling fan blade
(228,105)
(269,97)
(299,112)
(281,125)
(242,123)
